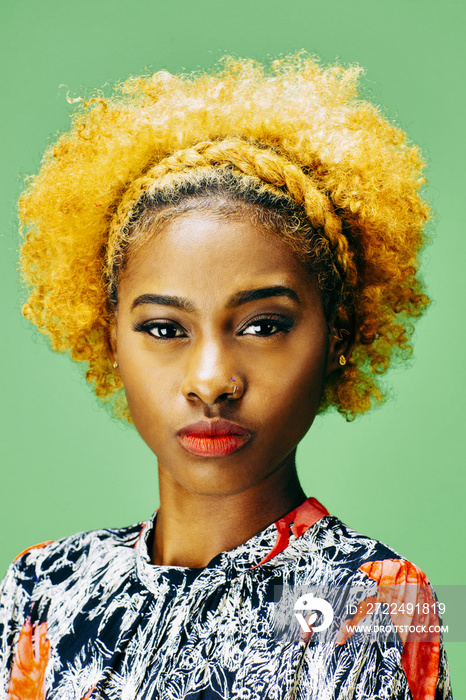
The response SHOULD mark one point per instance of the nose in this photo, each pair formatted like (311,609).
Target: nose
(211,375)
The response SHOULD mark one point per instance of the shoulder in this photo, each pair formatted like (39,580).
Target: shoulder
(378,592)
(334,541)
(59,559)
(333,552)
(355,560)
(49,583)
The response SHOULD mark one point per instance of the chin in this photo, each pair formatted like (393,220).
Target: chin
(211,480)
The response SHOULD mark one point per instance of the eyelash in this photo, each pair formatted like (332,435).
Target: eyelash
(281,323)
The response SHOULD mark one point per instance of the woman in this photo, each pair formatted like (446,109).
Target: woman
(230,254)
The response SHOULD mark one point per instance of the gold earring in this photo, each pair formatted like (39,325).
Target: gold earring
(342,360)
(115,364)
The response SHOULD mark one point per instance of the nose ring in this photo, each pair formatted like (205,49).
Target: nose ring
(232,393)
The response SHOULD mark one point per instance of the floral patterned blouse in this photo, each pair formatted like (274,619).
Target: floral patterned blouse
(90,617)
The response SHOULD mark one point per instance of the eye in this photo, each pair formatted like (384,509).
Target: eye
(265,326)
(161,330)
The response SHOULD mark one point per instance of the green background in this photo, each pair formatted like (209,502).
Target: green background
(397,475)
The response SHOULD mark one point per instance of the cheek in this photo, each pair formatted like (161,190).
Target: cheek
(154,399)
(149,416)
(294,397)
(137,373)
(304,375)
(144,392)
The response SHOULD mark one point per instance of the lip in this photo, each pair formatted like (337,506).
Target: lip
(217,438)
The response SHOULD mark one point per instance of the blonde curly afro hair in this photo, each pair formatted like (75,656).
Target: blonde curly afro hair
(292,144)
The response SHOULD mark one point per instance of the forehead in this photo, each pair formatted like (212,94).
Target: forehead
(198,253)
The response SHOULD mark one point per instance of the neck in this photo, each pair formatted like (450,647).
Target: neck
(193,528)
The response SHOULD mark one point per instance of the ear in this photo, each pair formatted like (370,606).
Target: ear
(112,341)
(342,335)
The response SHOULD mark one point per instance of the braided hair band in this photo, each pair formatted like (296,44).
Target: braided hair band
(265,164)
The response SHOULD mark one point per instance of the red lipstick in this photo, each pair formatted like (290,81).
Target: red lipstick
(217,438)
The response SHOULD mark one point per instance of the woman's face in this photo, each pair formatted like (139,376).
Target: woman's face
(208,304)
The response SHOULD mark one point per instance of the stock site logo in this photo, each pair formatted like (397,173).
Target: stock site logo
(308,609)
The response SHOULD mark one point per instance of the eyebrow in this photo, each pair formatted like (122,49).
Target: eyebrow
(176,302)
(237,299)
(263,293)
